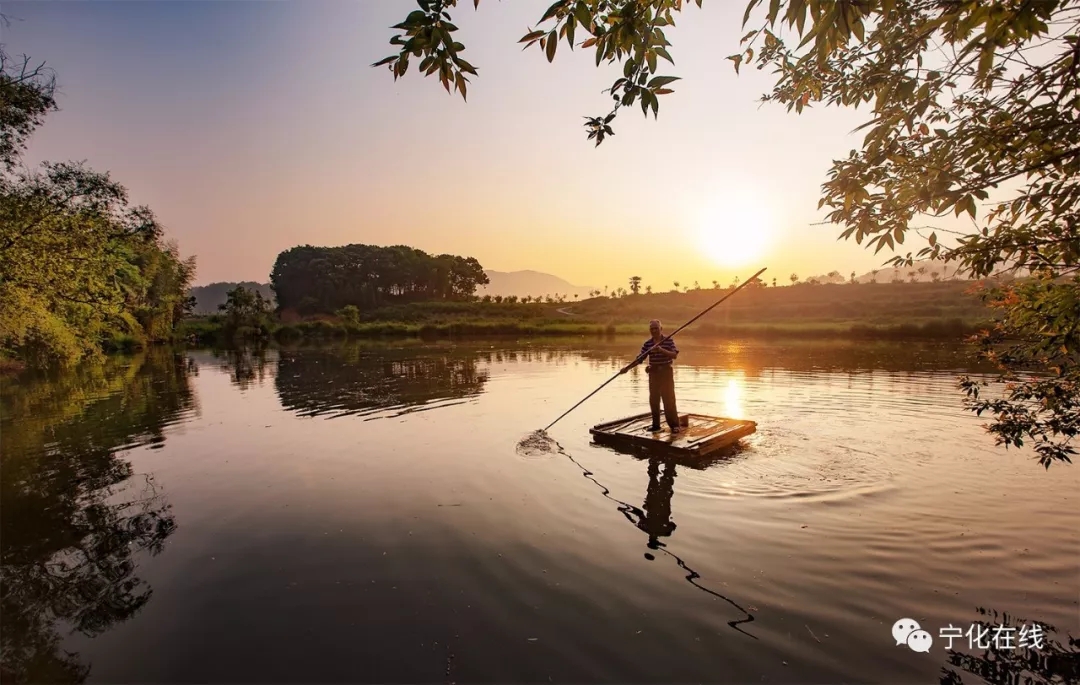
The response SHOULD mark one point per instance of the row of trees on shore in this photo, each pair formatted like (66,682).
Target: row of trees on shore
(314,305)
(636,288)
(313,301)
(312,280)
(915,275)
(347,281)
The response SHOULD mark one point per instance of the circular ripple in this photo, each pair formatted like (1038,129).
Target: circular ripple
(781,470)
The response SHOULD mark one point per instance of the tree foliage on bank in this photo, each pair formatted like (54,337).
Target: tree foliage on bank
(247,314)
(80,267)
(27,94)
(973,111)
(312,280)
(209,298)
(965,98)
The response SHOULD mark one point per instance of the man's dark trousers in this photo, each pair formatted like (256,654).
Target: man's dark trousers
(662,386)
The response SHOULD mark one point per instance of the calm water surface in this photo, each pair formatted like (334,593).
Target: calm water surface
(359,513)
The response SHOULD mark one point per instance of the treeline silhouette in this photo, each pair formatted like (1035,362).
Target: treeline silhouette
(747,358)
(322,280)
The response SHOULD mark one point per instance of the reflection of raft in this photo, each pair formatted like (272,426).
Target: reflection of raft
(700,435)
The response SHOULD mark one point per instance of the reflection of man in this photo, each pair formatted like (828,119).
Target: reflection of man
(656,521)
(661,354)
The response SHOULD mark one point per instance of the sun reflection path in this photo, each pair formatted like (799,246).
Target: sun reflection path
(630,511)
(733,406)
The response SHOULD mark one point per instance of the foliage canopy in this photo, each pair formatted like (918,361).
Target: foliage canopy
(247,313)
(79,265)
(26,96)
(322,280)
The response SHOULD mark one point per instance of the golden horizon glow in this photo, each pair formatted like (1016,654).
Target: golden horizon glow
(373,170)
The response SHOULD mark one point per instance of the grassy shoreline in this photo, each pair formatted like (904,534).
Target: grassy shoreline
(206,331)
(916,312)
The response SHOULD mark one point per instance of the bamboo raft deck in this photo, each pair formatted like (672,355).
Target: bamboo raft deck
(700,435)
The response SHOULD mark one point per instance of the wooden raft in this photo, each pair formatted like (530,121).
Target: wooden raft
(700,435)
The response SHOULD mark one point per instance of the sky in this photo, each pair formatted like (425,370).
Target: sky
(250,127)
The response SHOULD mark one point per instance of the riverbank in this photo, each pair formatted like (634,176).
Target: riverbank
(878,311)
(208,332)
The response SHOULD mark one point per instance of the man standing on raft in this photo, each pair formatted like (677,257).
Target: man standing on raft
(661,356)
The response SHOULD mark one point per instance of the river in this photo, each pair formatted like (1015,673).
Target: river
(359,513)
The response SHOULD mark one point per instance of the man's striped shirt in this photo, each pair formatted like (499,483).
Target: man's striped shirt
(656,358)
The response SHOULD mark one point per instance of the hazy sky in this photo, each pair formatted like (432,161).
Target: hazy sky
(251,127)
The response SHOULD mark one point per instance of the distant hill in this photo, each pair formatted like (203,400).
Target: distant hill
(524,283)
(208,297)
(883,303)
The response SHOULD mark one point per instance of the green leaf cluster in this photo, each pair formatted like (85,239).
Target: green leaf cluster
(427,35)
(627,32)
(1036,344)
(973,112)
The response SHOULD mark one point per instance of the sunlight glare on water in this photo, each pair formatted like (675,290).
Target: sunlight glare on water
(732,400)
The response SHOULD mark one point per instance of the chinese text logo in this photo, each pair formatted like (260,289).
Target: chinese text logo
(906,631)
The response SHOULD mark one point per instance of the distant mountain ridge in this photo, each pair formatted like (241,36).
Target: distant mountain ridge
(528,282)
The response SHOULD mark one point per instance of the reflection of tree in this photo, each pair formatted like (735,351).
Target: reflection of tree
(245,365)
(73,516)
(1051,664)
(751,357)
(362,380)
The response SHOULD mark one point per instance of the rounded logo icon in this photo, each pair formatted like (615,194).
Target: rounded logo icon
(920,641)
(903,628)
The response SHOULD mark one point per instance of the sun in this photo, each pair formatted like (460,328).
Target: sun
(736,232)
